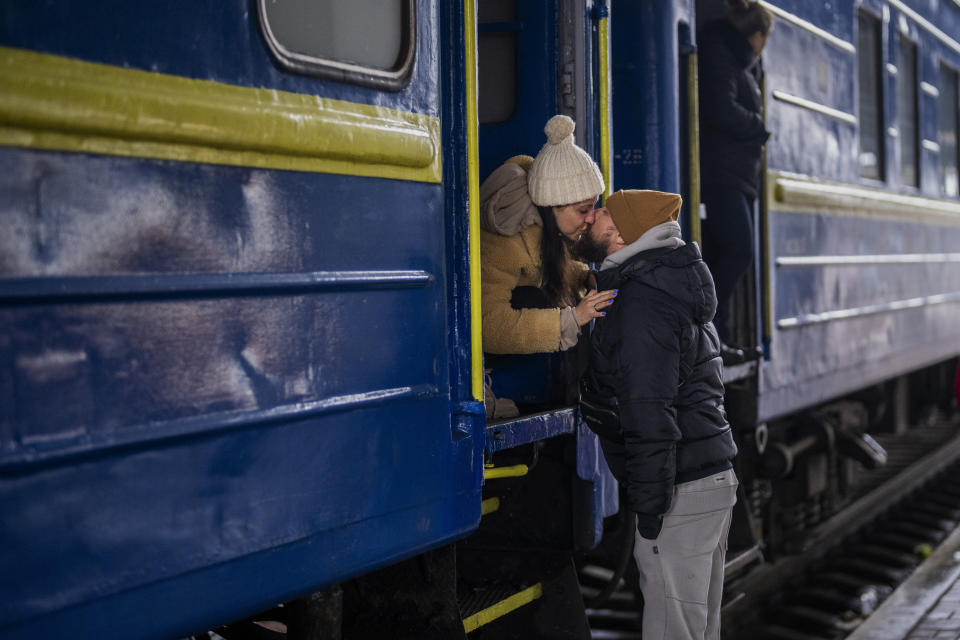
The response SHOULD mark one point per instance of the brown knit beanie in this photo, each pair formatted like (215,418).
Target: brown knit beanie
(562,173)
(637,211)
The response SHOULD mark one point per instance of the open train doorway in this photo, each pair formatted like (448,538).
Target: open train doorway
(535,60)
(733,209)
(517,77)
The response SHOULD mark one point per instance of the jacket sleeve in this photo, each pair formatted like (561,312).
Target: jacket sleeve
(718,97)
(505,329)
(649,377)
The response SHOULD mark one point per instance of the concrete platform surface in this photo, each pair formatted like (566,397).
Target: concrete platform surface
(926,606)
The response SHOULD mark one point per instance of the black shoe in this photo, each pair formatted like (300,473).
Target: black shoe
(738,355)
(731,355)
(752,353)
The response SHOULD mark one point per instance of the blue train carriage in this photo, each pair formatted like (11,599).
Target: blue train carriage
(862,197)
(854,292)
(235,300)
(241,321)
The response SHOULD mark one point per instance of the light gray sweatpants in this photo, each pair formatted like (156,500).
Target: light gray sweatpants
(681,572)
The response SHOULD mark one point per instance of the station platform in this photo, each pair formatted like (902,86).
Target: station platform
(926,606)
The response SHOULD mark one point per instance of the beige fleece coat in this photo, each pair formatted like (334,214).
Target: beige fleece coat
(510,258)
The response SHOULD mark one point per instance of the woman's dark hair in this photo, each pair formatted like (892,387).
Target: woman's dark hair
(749,17)
(553,257)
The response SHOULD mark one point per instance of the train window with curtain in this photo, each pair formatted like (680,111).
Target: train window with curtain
(870,77)
(497,29)
(367,42)
(907,112)
(949,131)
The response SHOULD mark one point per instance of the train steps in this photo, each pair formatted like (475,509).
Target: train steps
(507,594)
(516,578)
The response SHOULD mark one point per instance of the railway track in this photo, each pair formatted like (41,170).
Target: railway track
(844,567)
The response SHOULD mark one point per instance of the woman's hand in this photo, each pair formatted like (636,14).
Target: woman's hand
(593,305)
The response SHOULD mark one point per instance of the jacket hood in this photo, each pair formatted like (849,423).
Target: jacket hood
(505,205)
(681,273)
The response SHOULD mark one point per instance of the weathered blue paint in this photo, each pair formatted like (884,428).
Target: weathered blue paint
(805,141)
(153,287)
(222,42)
(532,428)
(170,608)
(187,413)
(813,144)
(221,385)
(818,361)
(230,382)
(815,362)
(468,419)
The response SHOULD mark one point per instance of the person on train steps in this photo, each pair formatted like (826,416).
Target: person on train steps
(653,393)
(534,296)
(732,135)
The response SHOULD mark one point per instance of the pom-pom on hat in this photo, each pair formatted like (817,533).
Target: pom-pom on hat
(637,211)
(562,173)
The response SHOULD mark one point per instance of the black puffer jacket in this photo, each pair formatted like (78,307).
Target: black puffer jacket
(655,360)
(731,121)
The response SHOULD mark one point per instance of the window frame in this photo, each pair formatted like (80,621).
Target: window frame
(944,65)
(880,79)
(917,182)
(345,72)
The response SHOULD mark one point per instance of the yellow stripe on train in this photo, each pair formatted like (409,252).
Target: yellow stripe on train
(53,102)
(503,607)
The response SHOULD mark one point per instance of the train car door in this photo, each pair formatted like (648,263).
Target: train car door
(517,94)
(744,317)
(655,121)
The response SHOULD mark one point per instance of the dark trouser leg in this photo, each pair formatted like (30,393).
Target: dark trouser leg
(727,244)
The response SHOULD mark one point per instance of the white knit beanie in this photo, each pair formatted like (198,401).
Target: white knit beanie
(562,172)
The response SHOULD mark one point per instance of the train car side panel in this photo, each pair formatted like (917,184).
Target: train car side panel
(861,256)
(219,380)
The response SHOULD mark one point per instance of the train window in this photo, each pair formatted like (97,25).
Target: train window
(907,117)
(497,66)
(367,42)
(870,71)
(949,129)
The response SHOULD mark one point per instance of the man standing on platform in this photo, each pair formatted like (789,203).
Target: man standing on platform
(653,393)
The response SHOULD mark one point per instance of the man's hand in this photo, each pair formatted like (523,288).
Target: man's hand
(649,526)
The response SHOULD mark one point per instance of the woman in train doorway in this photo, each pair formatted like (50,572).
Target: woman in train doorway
(532,211)
(732,136)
